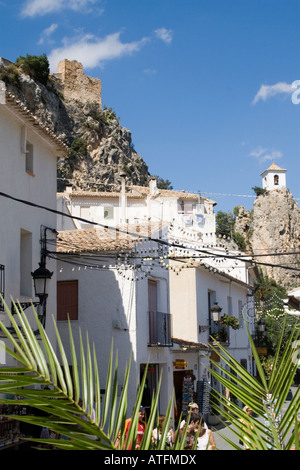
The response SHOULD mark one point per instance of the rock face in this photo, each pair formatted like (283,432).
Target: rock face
(101,149)
(242,226)
(274,227)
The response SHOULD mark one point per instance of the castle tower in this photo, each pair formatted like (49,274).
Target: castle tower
(274,177)
(77,85)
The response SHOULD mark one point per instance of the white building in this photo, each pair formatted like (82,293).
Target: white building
(188,212)
(138,285)
(28,155)
(113,292)
(274,177)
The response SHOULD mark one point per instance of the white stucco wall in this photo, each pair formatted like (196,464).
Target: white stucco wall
(18,218)
(139,210)
(268,179)
(189,307)
(112,307)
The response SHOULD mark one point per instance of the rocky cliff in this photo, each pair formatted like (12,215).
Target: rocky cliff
(273,229)
(101,150)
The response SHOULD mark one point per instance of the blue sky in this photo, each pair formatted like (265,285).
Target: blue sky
(204,86)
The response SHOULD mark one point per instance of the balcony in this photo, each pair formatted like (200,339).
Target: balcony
(160,329)
(220,333)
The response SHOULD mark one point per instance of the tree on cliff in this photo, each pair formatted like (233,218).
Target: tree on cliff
(37,67)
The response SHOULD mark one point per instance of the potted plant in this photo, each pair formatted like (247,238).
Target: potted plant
(230,320)
(221,335)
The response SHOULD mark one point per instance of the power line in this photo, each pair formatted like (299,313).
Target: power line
(159,241)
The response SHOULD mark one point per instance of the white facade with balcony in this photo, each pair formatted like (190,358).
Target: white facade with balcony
(121,301)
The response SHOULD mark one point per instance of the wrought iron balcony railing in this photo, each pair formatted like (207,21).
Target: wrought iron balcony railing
(160,329)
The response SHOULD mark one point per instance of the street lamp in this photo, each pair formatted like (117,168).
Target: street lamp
(41,277)
(261,326)
(216,312)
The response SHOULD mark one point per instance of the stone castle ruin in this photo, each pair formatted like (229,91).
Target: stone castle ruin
(75,85)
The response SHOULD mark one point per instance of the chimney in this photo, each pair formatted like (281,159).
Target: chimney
(153,186)
(123,199)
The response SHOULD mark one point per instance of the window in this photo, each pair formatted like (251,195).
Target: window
(67,300)
(229,305)
(85,212)
(108,212)
(240,310)
(1,286)
(25,263)
(27,150)
(159,323)
(276,180)
(180,208)
(29,158)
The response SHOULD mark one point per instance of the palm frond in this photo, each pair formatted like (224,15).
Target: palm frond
(272,425)
(62,401)
(70,401)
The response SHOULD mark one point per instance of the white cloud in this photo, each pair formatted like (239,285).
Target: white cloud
(164,34)
(150,72)
(43,7)
(47,32)
(267,91)
(91,51)
(263,154)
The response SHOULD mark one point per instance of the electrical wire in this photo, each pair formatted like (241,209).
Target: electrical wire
(157,240)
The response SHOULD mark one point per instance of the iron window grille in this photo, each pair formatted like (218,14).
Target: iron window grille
(160,329)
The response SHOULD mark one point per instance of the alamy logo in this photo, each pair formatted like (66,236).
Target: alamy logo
(296,94)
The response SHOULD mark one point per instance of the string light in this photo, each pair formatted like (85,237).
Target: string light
(168,245)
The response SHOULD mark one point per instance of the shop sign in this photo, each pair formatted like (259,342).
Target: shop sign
(262,351)
(180,364)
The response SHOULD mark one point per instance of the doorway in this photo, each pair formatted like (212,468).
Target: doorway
(184,391)
(150,384)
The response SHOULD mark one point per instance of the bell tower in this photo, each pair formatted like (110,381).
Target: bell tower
(274,177)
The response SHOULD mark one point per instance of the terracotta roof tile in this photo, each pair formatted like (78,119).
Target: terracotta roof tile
(98,239)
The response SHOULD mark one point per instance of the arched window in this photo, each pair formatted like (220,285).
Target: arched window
(276,180)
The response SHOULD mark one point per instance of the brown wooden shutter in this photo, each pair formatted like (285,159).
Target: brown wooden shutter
(67,300)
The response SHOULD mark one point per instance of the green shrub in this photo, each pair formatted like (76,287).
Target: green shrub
(259,191)
(37,67)
(239,240)
(10,74)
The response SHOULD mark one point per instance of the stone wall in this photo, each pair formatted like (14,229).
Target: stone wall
(75,85)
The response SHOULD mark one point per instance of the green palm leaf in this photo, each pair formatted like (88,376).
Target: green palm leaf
(69,397)
(272,425)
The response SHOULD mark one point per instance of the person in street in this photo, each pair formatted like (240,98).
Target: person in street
(192,408)
(140,430)
(247,428)
(197,430)
(157,432)
(206,439)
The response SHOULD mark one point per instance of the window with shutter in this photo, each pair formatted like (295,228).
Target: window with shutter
(67,300)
